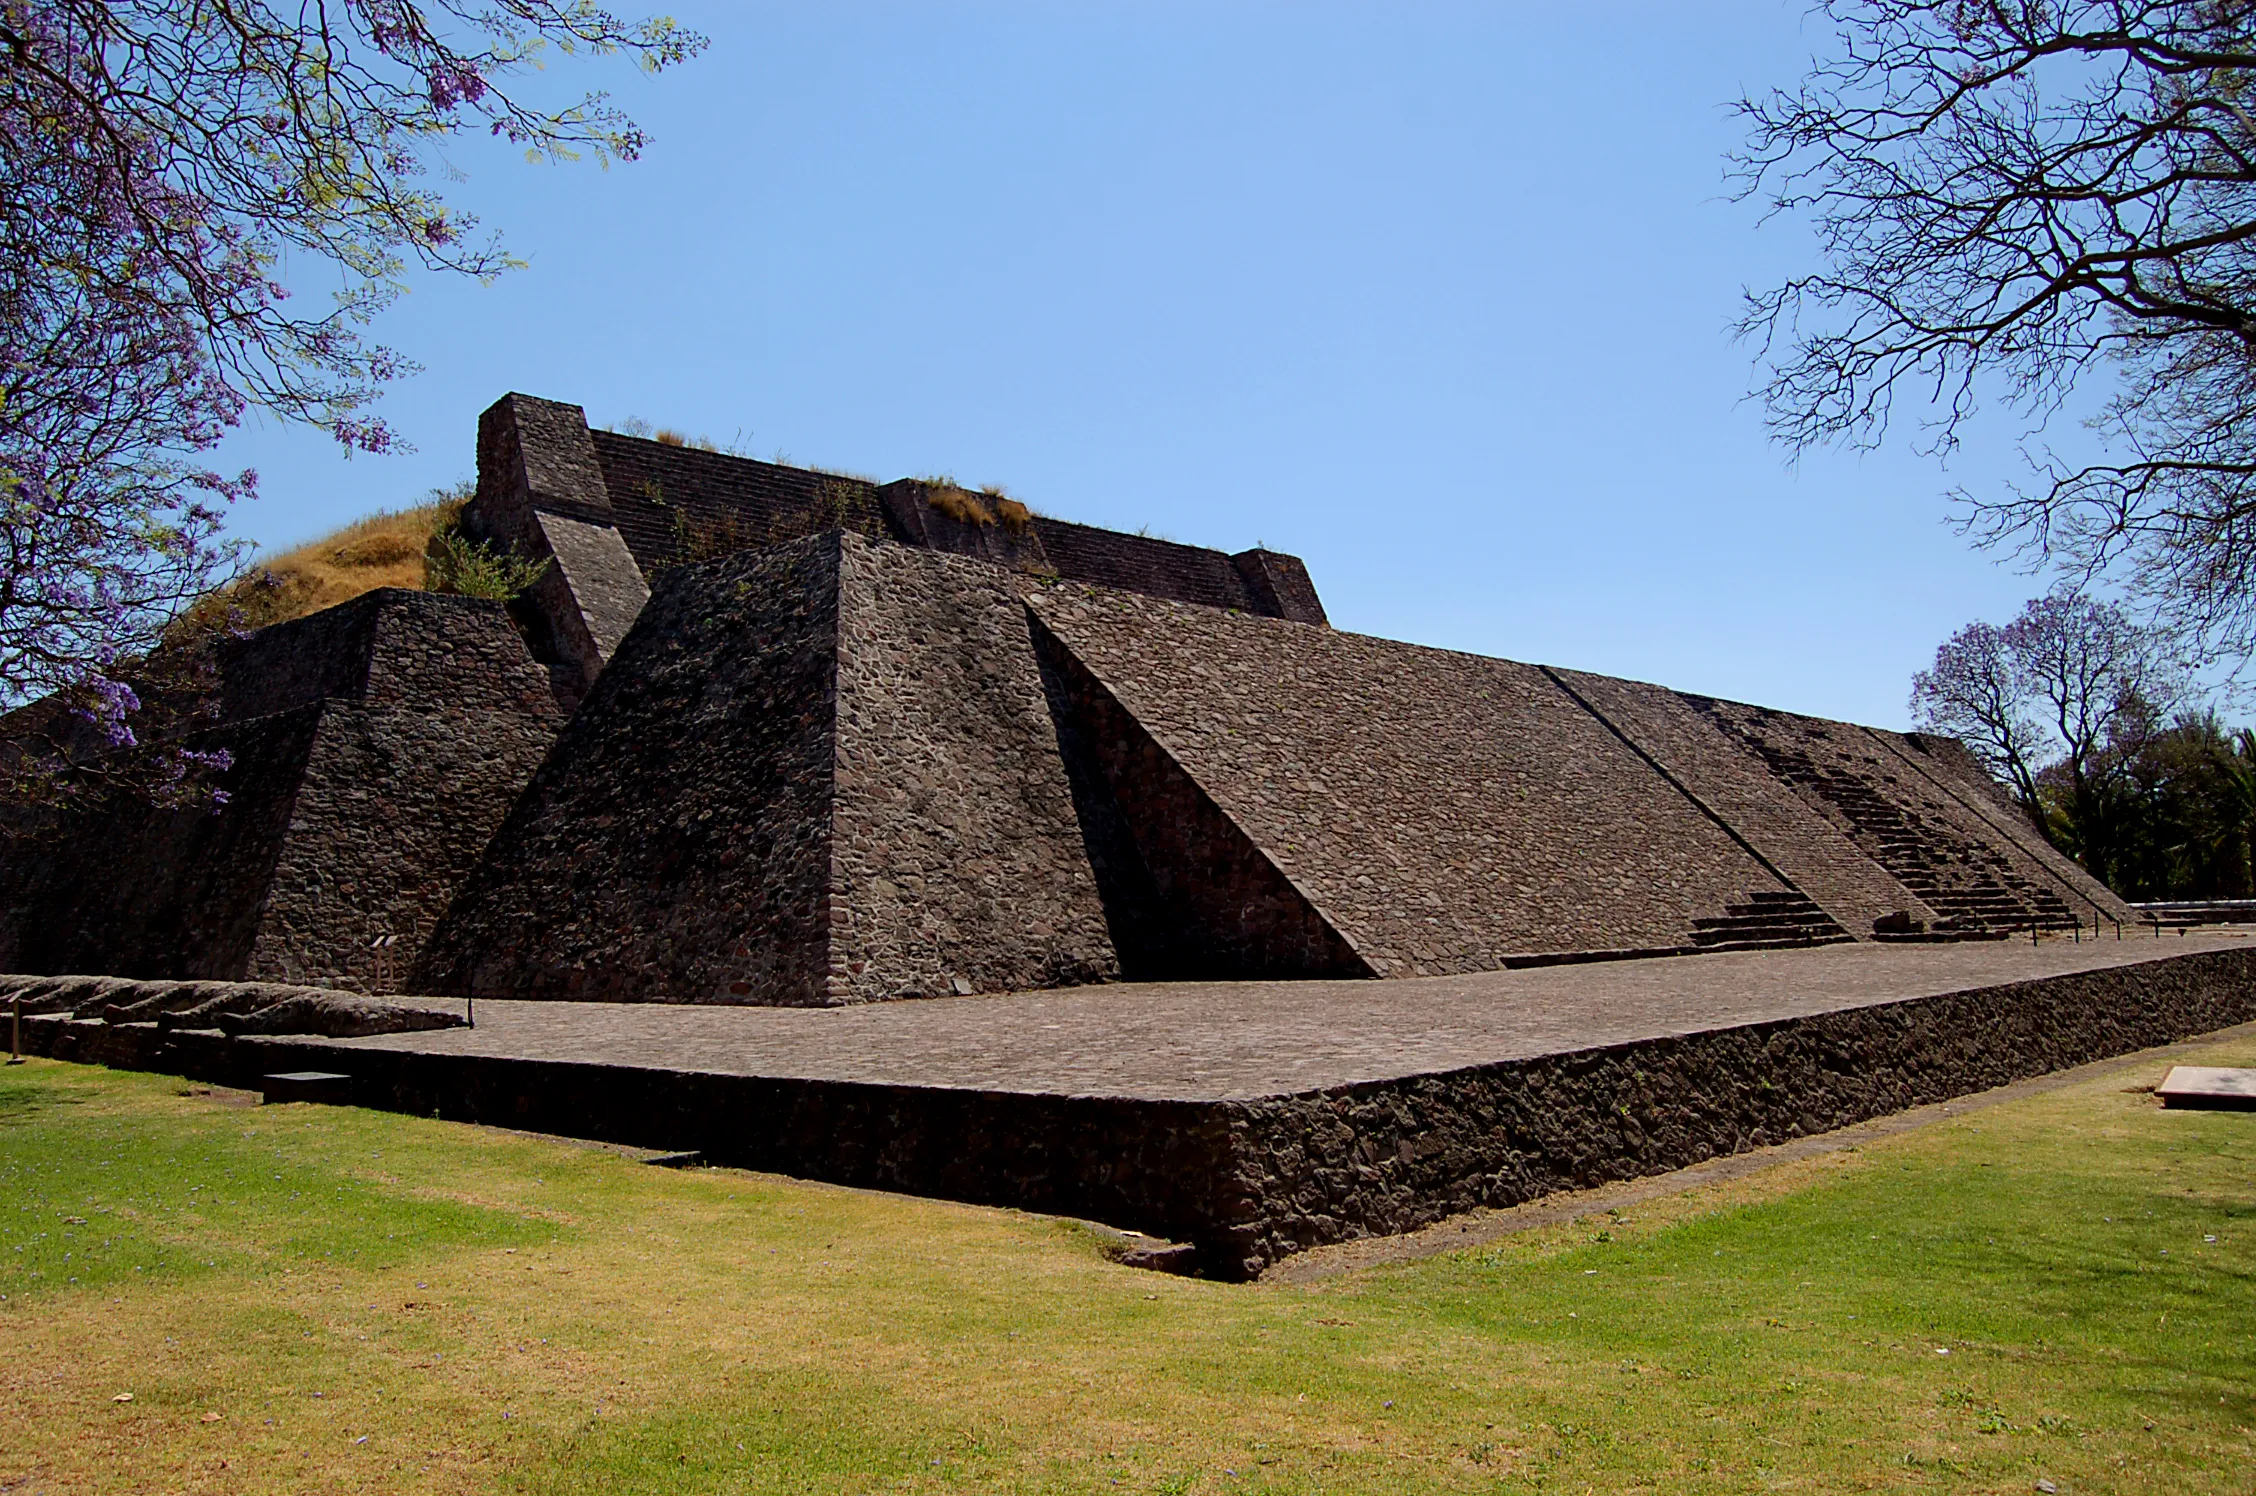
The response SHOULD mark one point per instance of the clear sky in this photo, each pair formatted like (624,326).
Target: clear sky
(1433,296)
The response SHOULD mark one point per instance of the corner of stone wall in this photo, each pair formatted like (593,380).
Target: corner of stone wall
(697,779)
(541,493)
(957,861)
(1280,586)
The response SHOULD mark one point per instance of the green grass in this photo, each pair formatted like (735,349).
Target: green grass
(369,1302)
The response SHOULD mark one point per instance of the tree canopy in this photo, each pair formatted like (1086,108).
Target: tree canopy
(165,165)
(2012,198)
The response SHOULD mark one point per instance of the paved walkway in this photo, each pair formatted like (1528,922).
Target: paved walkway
(1223,1040)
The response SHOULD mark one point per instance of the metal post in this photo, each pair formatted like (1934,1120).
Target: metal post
(15,1029)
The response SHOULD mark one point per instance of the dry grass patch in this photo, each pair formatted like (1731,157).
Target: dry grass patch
(385,549)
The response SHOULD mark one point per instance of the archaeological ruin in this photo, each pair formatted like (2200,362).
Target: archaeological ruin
(900,835)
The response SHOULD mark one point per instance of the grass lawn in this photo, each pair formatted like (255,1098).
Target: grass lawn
(304,1299)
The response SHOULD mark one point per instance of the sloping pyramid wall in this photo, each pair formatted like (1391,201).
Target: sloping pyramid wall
(815,774)
(1188,892)
(145,892)
(376,746)
(1951,767)
(1918,813)
(842,770)
(1441,812)
(1740,791)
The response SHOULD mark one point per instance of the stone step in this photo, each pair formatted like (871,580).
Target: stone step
(1764,922)
(1797,942)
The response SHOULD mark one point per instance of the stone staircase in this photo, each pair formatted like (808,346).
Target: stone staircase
(1985,898)
(1977,893)
(1771,919)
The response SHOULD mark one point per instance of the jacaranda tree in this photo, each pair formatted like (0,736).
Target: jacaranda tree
(2063,703)
(160,161)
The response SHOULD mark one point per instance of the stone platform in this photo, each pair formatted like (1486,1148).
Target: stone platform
(1255,1119)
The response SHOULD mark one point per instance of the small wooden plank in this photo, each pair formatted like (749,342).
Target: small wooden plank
(2211,1087)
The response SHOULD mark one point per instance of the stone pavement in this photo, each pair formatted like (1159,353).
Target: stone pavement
(1214,1041)
(1257,1120)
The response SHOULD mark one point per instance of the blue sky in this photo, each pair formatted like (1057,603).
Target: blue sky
(1434,296)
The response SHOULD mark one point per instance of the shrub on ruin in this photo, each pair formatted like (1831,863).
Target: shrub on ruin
(471,568)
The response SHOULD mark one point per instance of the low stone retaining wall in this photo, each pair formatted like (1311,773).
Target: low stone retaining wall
(1249,1181)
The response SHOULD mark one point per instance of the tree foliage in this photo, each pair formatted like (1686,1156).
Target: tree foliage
(2177,821)
(215,139)
(2063,688)
(2080,710)
(2009,196)
(165,165)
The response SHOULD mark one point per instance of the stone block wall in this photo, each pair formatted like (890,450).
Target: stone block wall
(394,807)
(675,845)
(541,496)
(1440,811)
(377,745)
(611,511)
(675,504)
(1803,847)
(956,859)
(1188,894)
(144,892)
(1392,1156)
(820,773)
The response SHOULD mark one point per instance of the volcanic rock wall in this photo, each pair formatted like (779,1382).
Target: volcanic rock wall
(610,512)
(376,745)
(1440,811)
(819,773)
(841,770)
(869,742)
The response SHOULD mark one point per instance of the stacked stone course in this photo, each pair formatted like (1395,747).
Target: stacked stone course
(376,746)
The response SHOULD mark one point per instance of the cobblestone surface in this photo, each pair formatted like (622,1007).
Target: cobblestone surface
(1202,1041)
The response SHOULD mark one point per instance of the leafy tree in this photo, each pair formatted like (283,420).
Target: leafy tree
(2010,196)
(159,159)
(2184,829)
(2059,702)
(2176,822)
